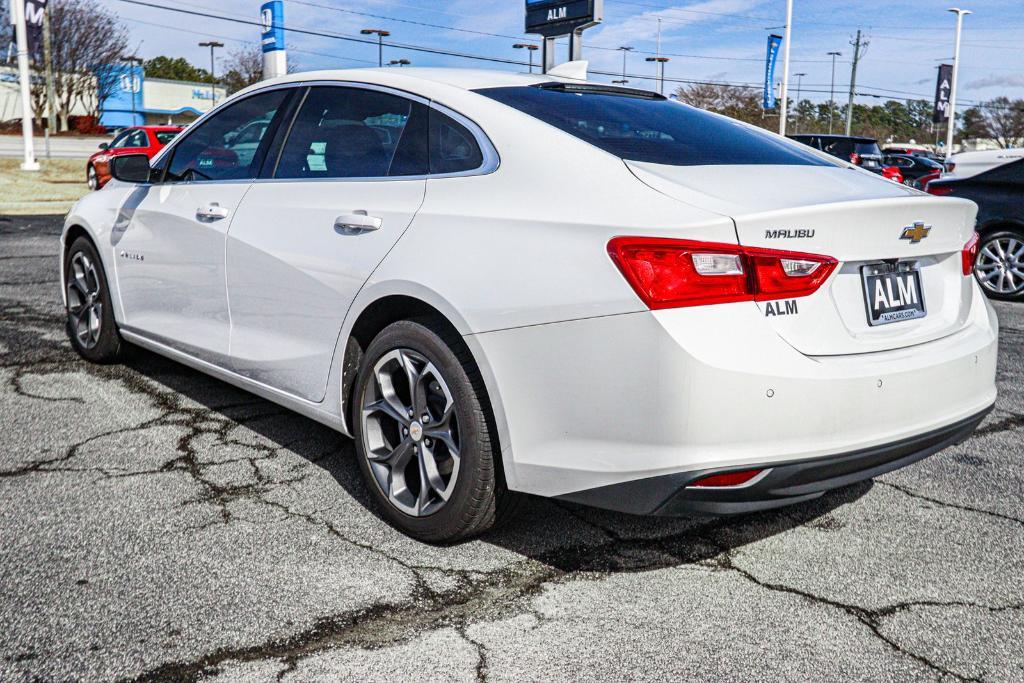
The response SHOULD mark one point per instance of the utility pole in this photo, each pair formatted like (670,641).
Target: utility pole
(799,80)
(832,91)
(29,162)
(783,107)
(951,123)
(853,82)
(625,52)
(50,89)
(381,35)
(212,44)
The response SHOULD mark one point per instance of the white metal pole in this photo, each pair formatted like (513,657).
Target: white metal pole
(21,36)
(951,123)
(783,113)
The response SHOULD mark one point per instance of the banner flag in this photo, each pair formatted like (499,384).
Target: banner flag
(774,42)
(942,89)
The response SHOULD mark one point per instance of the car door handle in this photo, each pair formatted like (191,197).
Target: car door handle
(356,222)
(213,212)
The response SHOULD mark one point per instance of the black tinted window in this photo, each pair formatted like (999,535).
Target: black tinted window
(453,149)
(652,129)
(165,136)
(1012,172)
(226,146)
(351,133)
(131,138)
(863,148)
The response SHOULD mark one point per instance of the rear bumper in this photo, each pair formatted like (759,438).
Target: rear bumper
(781,484)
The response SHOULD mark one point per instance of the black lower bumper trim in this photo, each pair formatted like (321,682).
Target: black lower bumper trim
(786,482)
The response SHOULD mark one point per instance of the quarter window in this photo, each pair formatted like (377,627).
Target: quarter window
(453,149)
(131,138)
(229,145)
(354,133)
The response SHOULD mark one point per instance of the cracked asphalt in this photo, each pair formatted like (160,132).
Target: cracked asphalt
(158,525)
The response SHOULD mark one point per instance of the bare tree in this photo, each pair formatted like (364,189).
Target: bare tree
(1004,121)
(87,43)
(244,67)
(743,104)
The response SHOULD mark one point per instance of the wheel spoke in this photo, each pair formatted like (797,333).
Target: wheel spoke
(987,251)
(414,377)
(432,475)
(383,406)
(999,248)
(400,411)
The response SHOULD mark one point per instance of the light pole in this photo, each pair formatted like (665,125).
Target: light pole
(951,123)
(661,72)
(132,59)
(29,162)
(399,62)
(625,52)
(832,90)
(783,111)
(799,79)
(381,35)
(530,48)
(213,45)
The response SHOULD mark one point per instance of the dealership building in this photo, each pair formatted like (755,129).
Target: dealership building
(133,99)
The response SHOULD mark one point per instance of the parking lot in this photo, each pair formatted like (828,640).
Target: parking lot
(160,525)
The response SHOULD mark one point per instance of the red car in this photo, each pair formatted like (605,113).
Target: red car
(146,140)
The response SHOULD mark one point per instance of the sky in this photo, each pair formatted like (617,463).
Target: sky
(706,40)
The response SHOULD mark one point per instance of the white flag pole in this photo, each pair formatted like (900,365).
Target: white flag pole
(21,36)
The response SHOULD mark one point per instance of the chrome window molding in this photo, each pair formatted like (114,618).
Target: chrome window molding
(491,158)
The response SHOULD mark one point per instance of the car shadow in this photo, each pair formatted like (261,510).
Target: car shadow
(564,536)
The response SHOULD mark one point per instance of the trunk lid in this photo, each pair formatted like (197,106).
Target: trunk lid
(855,217)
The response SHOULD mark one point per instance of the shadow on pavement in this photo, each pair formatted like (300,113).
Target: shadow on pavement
(563,536)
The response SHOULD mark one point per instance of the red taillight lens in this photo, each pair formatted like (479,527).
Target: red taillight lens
(939,190)
(727,479)
(855,158)
(892,173)
(668,273)
(970,253)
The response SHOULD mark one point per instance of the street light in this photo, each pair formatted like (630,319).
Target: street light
(399,62)
(381,35)
(661,71)
(799,80)
(213,45)
(625,52)
(132,59)
(832,90)
(951,123)
(530,48)
(784,99)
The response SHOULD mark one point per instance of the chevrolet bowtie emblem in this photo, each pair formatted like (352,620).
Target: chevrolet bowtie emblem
(916,232)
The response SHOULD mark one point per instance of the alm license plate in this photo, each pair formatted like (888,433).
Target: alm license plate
(893,292)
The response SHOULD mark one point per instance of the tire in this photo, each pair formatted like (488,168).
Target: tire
(468,495)
(90,315)
(92,179)
(1000,265)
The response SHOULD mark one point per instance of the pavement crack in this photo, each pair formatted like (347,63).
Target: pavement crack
(948,504)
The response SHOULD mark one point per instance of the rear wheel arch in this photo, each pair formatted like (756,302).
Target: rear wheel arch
(382,312)
(1000,225)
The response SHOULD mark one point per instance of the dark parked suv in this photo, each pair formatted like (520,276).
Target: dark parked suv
(999,194)
(862,152)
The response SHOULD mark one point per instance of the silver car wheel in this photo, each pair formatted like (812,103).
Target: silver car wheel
(93,179)
(85,304)
(1000,266)
(410,432)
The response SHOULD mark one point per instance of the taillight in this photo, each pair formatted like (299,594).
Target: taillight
(669,273)
(939,190)
(970,253)
(727,479)
(855,159)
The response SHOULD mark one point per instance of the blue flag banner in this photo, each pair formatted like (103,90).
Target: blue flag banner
(774,42)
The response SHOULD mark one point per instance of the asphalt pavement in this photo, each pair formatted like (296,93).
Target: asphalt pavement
(61,147)
(160,525)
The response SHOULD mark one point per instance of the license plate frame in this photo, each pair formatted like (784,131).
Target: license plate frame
(896,285)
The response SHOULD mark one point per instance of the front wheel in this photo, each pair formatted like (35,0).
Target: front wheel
(90,315)
(424,437)
(1000,265)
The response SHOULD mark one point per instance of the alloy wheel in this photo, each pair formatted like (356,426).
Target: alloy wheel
(1000,265)
(410,432)
(85,303)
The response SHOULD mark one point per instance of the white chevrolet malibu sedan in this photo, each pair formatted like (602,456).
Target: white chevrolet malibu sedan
(500,284)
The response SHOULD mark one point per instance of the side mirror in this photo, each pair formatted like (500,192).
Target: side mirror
(104,146)
(131,168)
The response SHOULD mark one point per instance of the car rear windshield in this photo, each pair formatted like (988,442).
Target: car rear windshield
(165,136)
(865,148)
(639,126)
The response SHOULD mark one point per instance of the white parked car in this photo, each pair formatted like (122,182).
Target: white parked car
(969,164)
(502,284)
